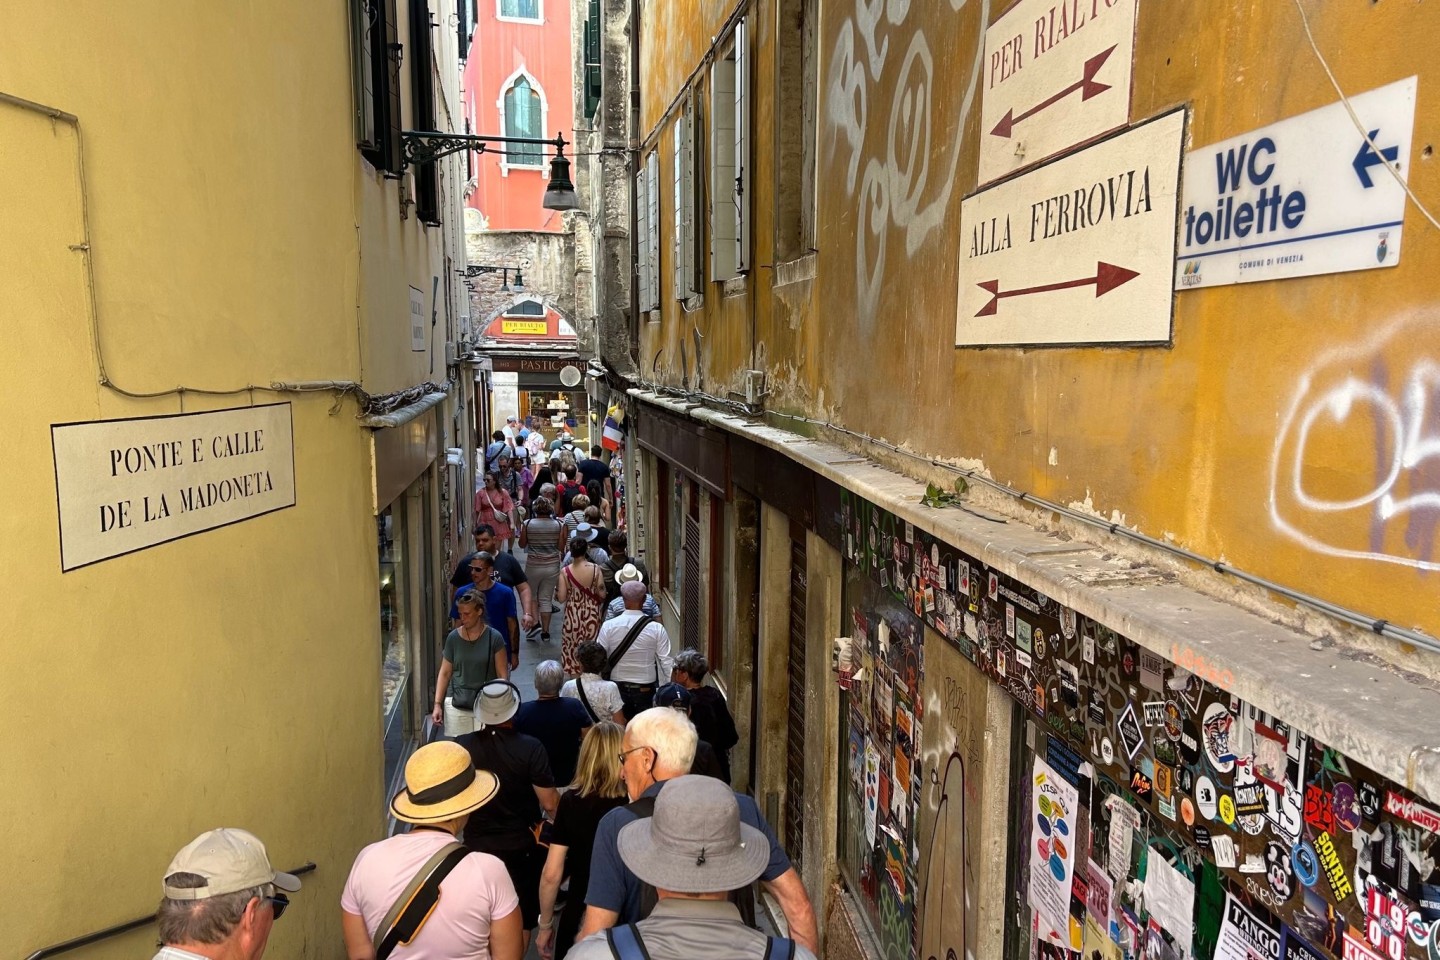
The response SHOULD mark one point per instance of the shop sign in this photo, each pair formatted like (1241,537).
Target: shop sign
(532,364)
(417,319)
(125,485)
(538,327)
(1077,250)
(1305,196)
(1056,75)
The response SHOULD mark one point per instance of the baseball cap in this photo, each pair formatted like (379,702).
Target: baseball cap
(230,860)
(674,696)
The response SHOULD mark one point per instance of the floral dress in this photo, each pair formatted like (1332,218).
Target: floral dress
(583,606)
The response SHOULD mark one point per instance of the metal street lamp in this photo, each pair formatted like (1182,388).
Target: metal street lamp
(421,146)
(477,269)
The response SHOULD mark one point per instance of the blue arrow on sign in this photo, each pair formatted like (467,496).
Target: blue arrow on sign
(1368,158)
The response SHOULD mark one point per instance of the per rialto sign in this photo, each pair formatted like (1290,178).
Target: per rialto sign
(124,485)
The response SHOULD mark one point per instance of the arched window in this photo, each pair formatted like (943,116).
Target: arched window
(526,308)
(519,9)
(522,119)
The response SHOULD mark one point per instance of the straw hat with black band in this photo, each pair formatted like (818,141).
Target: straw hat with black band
(441,783)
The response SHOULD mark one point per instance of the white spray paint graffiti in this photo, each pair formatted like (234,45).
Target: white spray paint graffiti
(892,192)
(1400,415)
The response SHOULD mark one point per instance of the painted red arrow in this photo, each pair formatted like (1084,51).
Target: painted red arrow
(1107,277)
(1087,85)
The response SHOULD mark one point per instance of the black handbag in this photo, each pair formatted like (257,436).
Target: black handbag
(464,698)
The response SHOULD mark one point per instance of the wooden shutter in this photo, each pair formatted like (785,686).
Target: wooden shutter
(795,702)
(652,194)
(742,148)
(362,28)
(722,169)
(642,240)
(392,155)
(680,215)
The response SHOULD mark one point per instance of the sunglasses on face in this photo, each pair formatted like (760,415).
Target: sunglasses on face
(279,902)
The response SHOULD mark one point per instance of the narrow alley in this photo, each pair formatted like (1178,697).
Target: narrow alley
(677,479)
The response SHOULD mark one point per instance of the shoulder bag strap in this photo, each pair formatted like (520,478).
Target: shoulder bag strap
(625,943)
(580,689)
(626,644)
(412,908)
(779,948)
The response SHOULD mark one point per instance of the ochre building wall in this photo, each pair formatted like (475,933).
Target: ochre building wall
(1182,441)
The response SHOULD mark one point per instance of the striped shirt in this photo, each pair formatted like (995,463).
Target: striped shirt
(685,929)
(543,543)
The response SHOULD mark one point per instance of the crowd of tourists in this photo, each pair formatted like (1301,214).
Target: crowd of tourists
(597,818)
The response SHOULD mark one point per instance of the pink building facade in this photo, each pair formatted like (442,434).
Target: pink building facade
(519,81)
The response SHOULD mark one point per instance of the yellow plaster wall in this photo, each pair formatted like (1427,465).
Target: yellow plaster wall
(231,677)
(1178,442)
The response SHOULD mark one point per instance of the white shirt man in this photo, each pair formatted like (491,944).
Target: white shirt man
(648,662)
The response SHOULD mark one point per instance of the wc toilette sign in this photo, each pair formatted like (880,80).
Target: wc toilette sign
(1305,196)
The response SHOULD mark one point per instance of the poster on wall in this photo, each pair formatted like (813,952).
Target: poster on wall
(1054,806)
(1244,936)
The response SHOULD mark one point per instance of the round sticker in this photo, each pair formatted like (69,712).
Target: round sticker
(1172,720)
(1432,942)
(1252,823)
(1305,862)
(1107,751)
(1039,644)
(1227,810)
(1187,811)
(1279,872)
(935,554)
(1218,725)
(1346,806)
(1206,797)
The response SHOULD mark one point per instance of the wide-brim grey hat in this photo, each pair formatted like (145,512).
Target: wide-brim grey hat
(499,700)
(694,842)
(586,532)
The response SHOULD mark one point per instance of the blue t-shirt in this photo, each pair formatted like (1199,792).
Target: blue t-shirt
(499,606)
(614,887)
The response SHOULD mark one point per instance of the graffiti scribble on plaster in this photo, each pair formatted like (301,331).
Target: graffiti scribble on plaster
(897,191)
(1356,425)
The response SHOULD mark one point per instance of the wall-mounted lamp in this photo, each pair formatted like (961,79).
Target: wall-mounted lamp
(477,269)
(423,146)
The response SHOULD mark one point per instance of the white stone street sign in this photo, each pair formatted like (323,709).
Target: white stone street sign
(124,485)
(1057,74)
(1077,251)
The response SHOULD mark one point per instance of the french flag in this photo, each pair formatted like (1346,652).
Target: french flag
(613,436)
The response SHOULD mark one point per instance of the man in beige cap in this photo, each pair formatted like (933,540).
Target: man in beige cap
(221,899)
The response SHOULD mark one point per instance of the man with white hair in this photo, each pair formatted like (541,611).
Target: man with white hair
(659,745)
(639,649)
(557,722)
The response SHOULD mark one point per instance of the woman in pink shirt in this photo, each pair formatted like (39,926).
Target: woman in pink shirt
(477,914)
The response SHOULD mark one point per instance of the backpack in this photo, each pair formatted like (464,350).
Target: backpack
(625,944)
(744,898)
